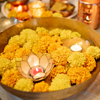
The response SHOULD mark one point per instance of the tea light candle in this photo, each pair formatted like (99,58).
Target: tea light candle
(36,70)
(76,47)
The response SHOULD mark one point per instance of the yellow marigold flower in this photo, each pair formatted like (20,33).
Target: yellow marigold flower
(65,34)
(60,55)
(27,35)
(90,63)
(41,30)
(13,62)
(76,59)
(78,74)
(61,81)
(11,48)
(14,40)
(4,65)
(94,51)
(58,70)
(53,47)
(20,52)
(41,87)
(24,84)
(47,13)
(55,31)
(28,45)
(10,77)
(68,34)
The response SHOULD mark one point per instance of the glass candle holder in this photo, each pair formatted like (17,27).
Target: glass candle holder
(89,12)
(36,8)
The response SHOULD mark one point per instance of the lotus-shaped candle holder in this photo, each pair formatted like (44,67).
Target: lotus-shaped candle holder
(35,66)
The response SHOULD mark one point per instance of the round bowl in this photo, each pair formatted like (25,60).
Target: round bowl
(50,23)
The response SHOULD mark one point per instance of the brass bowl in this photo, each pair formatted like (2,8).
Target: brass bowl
(49,23)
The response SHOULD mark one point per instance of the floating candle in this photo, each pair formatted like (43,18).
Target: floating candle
(36,70)
(76,47)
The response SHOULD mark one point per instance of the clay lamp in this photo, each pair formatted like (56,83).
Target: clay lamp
(36,67)
(77,44)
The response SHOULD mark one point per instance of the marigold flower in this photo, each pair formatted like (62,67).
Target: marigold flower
(4,65)
(61,81)
(43,34)
(41,30)
(53,47)
(60,55)
(55,31)
(58,70)
(10,77)
(78,74)
(24,84)
(11,48)
(8,55)
(90,63)
(20,52)
(94,51)
(76,59)
(41,87)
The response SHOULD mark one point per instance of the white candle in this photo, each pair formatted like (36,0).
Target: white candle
(76,47)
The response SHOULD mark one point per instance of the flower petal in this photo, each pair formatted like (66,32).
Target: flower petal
(44,61)
(47,73)
(48,55)
(49,67)
(39,54)
(33,60)
(25,67)
(23,74)
(39,75)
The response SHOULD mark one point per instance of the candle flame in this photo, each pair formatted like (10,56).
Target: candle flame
(36,69)
(20,8)
(87,18)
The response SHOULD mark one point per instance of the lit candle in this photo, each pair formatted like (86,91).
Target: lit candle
(76,47)
(36,70)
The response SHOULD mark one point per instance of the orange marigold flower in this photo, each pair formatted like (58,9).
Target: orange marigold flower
(37,47)
(78,74)
(53,47)
(90,63)
(41,87)
(20,52)
(10,77)
(8,55)
(11,48)
(58,70)
(43,34)
(56,39)
(60,55)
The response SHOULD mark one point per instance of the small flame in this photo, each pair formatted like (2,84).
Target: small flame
(87,18)
(36,69)
(20,8)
